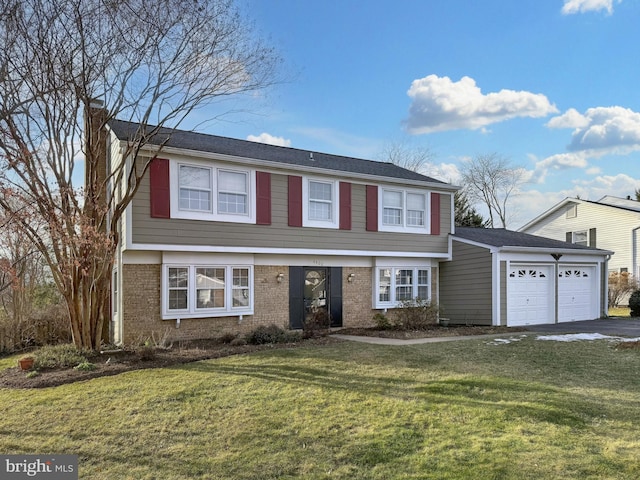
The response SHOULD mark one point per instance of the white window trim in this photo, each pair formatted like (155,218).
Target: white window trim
(213,215)
(335,204)
(574,234)
(392,303)
(404,228)
(191,311)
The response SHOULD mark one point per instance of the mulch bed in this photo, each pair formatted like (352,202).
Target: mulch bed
(115,362)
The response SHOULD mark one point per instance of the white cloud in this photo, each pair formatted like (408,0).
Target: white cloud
(601,130)
(269,139)
(581,6)
(439,104)
(561,161)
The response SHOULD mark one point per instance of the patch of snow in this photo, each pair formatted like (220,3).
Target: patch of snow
(576,337)
(505,341)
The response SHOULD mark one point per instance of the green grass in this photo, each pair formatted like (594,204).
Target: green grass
(456,410)
(619,312)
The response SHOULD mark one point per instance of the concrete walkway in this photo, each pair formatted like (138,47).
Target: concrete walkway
(609,326)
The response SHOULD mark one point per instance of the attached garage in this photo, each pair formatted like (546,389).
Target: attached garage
(501,277)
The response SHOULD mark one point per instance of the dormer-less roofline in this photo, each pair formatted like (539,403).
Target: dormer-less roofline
(276,157)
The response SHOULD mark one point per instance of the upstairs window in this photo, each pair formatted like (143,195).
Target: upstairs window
(320,201)
(581,238)
(195,188)
(205,191)
(232,192)
(404,211)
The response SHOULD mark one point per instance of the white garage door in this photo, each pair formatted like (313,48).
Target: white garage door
(530,295)
(577,294)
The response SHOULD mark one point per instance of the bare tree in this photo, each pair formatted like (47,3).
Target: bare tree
(492,180)
(416,159)
(152,63)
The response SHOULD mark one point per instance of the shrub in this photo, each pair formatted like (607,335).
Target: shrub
(227,337)
(263,335)
(382,321)
(238,342)
(146,352)
(634,303)
(85,367)
(416,314)
(318,323)
(59,356)
(620,285)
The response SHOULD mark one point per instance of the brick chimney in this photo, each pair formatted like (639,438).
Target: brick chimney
(95,133)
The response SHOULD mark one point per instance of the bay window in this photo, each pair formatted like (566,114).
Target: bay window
(398,284)
(192,291)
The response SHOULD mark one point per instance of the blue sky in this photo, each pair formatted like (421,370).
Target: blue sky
(553,85)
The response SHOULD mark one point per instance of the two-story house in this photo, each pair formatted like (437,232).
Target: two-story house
(610,223)
(225,235)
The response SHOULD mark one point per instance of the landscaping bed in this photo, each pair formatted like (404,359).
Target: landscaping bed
(113,362)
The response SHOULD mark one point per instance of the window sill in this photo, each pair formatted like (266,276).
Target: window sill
(209,314)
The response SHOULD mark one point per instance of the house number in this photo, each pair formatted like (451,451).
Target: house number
(320,263)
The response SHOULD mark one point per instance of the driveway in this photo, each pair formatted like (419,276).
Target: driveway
(628,327)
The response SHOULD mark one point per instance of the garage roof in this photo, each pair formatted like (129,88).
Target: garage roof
(503,238)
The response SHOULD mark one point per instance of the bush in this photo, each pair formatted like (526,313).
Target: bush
(620,285)
(634,303)
(416,314)
(382,322)
(59,356)
(263,335)
(318,323)
(85,367)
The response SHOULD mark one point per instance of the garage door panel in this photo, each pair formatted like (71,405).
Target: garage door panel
(577,298)
(529,293)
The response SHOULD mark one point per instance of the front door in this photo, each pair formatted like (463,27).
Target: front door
(315,291)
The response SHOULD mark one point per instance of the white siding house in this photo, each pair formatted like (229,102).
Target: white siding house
(610,223)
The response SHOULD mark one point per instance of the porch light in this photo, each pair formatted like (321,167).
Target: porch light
(351,277)
(279,277)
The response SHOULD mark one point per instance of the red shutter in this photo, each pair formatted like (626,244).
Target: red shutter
(435,213)
(372,208)
(159,180)
(295,201)
(345,206)
(263,198)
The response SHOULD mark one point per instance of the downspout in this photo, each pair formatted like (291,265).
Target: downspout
(604,281)
(634,252)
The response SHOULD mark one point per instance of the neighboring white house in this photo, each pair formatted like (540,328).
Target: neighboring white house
(610,223)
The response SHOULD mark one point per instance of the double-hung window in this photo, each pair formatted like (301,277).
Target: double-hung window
(320,203)
(404,211)
(208,191)
(232,192)
(192,291)
(398,284)
(195,188)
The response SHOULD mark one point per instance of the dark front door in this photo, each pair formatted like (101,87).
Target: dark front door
(315,291)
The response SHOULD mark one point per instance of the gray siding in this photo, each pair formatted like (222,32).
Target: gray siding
(465,285)
(149,230)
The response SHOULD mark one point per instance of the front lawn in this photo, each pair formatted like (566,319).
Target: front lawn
(529,409)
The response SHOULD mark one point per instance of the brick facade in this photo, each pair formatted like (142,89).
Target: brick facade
(142,316)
